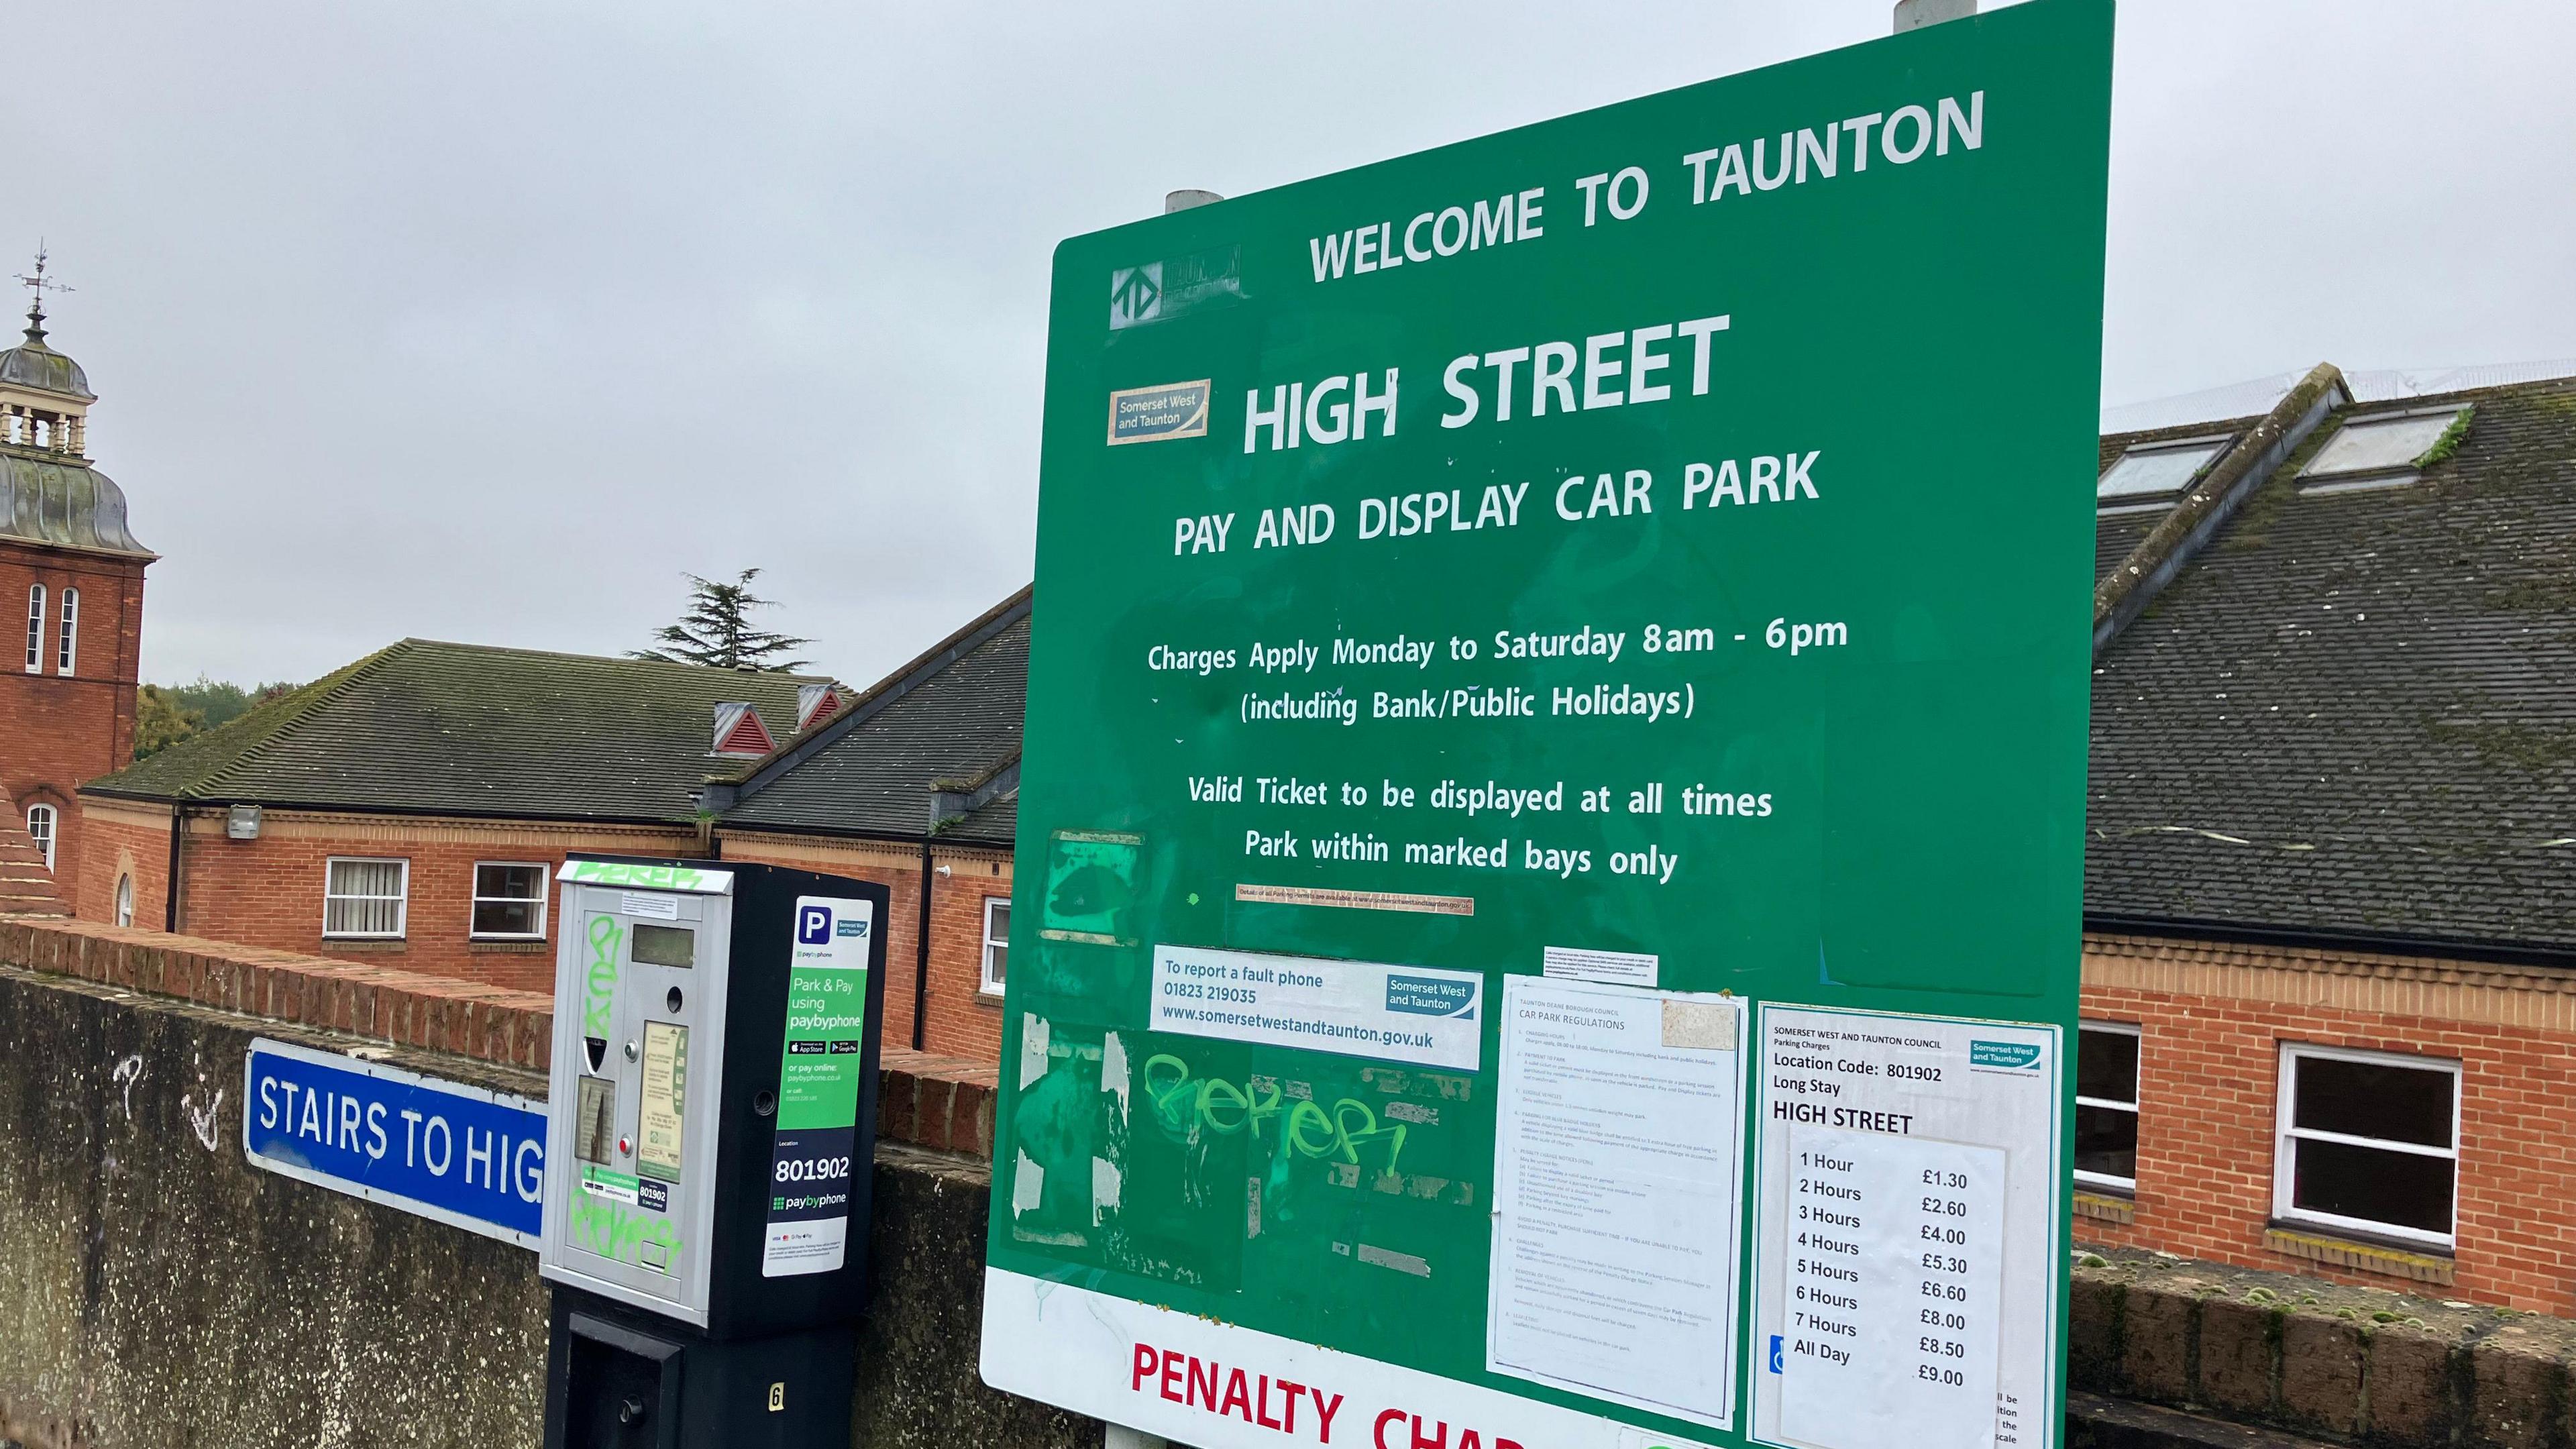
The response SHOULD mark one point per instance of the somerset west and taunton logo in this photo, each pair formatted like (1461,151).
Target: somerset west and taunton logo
(1159,413)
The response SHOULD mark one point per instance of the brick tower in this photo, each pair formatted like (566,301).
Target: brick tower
(72,575)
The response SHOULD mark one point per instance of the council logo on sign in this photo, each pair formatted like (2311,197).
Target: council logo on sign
(1135,295)
(1159,413)
(2008,1055)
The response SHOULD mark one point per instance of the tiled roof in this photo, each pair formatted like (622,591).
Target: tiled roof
(949,719)
(461,729)
(2355,714)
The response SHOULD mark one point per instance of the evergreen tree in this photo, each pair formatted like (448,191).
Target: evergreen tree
(717,630)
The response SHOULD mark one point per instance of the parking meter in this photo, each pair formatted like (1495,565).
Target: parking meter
(710,1133)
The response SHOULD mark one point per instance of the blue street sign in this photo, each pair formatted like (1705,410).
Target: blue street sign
(468,1157)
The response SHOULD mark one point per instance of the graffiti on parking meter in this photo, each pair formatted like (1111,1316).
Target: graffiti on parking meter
(599,983)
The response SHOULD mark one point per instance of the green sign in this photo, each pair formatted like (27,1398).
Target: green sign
(1552,819)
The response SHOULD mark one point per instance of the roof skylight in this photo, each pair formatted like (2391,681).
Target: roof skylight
(2158,470)
(2384,444)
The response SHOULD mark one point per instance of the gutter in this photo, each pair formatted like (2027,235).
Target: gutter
(178,832)
(2449,948)
(2125,592)
(921,956)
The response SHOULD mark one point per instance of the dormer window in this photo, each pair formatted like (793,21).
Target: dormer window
(2384,450)
(2152,475)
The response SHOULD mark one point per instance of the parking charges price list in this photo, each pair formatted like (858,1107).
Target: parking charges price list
(1894,1291)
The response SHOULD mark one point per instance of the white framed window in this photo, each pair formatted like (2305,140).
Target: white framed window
(509,901)
(67,648)
(125,900)
(365,899)
(40,829)
(35,628)
(2106,1104)
(997,944)
(2369,1141)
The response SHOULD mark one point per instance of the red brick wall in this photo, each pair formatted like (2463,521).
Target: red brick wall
(58,731)
(2209,1063)
(268,892)
(123,839)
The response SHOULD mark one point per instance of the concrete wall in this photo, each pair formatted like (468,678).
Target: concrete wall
(156,1291)
(2320,1360)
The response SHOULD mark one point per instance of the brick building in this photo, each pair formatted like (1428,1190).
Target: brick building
(410,809)
(72,574)
(2332,856)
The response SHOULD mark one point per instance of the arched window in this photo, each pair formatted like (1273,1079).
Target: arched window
(40,829)
(125,900)
(35,628)
(69,648)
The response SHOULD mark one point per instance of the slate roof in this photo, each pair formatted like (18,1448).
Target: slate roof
(462,729)
(2354,715)
(948,720)
(2115,535)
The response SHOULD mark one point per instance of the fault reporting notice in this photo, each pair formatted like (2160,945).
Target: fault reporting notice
(1551,821)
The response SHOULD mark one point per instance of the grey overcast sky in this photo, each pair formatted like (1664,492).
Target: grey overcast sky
(486,319)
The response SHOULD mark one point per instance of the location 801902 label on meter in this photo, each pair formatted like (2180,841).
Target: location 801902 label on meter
(810,1170)
(1906,1219)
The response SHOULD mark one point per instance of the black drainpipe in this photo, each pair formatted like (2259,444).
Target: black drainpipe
(178,828)
(921,956)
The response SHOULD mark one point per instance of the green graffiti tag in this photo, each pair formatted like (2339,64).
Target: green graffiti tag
(615,1231)
(606,937)
(1183,1106)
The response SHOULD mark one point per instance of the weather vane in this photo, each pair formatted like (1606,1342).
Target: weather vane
(38,284)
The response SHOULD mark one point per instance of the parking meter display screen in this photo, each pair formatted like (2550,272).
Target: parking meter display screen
(665,945)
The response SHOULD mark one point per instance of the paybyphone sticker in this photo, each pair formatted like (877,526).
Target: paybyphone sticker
(819,1076)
